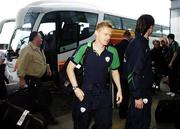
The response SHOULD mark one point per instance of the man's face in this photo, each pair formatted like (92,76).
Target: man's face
(170,40)
(150,30)
(103,35)
(38,40)
(156,45)
(163,43)
(2,61)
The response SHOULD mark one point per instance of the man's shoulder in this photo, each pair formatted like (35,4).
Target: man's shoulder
(176,43)
(26,49)
(84,46)
(111,48)
(81,50)
(124,41)
(134,42)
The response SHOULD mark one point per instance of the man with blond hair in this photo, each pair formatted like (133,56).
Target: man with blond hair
(93,97)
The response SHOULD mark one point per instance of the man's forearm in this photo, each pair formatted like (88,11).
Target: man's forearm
(22,65)
(173,58)
(116,78)
(71,74)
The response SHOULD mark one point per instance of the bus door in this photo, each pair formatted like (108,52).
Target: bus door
(59,37)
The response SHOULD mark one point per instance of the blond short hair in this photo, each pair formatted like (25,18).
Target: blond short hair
(103,24)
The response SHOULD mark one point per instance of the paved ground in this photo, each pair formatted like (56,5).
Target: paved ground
(63,112)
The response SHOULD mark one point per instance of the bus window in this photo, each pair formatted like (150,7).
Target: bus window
(21,40)
(165,30)
(70,28)
(157,31)
(21,34)
(47,27)
(69,37)
(48,30)
(30,19)
(6,34)
(116,21)
(129,24)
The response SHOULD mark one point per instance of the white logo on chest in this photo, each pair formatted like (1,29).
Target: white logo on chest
(107,59)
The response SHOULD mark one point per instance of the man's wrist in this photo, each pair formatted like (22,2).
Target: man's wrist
(138,98)
(74,87)
(48,66)
(119,90)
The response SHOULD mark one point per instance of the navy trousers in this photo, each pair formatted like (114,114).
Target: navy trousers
(139,118)
(94,106)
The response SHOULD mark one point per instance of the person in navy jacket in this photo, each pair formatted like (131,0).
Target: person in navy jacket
(139,74)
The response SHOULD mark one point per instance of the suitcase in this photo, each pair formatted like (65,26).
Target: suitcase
(167,111)
(34,99)
(21,98)
(15,117)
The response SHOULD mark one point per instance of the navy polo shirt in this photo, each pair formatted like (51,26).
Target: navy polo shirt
(97,66)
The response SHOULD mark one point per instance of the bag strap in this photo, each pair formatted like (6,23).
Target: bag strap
(86,51)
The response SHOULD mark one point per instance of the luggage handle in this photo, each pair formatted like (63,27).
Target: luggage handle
(22,118)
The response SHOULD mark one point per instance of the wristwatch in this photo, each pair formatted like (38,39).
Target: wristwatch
(74,88)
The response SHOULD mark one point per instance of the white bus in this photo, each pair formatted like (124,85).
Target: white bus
(6,31)
(65,25)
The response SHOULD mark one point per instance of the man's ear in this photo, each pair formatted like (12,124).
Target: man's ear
(151,27)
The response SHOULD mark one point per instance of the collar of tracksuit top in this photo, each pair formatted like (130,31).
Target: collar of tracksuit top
(140,35)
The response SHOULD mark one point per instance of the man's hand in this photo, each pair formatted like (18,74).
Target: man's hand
(79,94)
(49,73)
(139,104)
(22,82)
(170,65)
(119,97)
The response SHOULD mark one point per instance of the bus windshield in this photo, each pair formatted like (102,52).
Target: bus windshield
(20,39)
(21,35)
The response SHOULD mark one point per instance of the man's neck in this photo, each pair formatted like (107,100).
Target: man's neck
(146,36)
(172,41)
(126,38)
(99,46)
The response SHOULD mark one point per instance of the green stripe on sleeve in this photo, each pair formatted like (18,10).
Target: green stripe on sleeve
(79,54)
(115,62)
